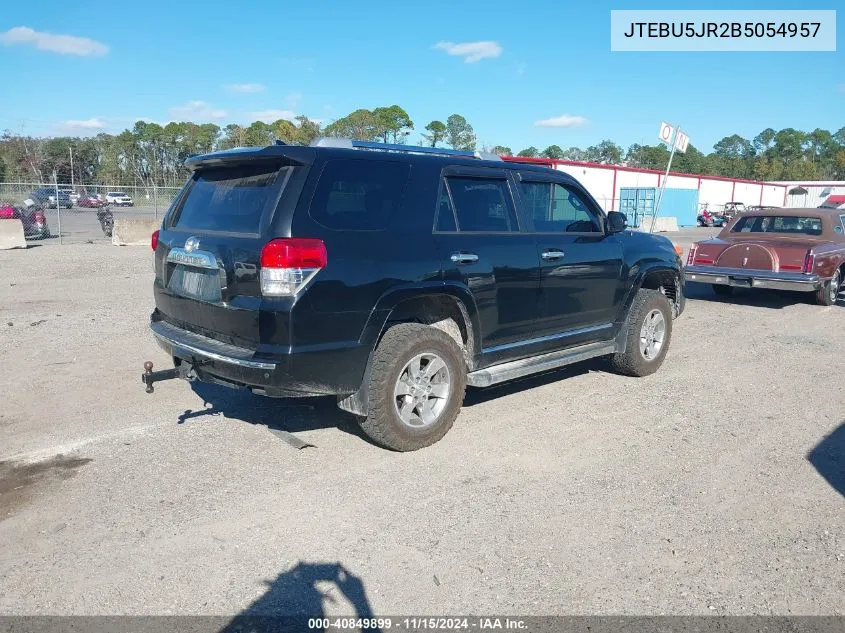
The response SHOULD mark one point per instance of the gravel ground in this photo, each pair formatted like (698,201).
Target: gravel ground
(713,486)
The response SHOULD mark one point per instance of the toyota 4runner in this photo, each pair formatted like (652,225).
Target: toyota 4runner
(393,277)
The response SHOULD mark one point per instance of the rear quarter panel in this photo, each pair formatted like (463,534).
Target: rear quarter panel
(829,257)
(364,266)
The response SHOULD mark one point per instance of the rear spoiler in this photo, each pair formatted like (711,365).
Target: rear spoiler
(283,155)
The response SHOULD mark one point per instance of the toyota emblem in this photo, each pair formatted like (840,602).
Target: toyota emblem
(192,244)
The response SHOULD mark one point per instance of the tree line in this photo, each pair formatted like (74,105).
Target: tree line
(150,154)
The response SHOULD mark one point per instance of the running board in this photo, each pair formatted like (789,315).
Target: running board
(527,366)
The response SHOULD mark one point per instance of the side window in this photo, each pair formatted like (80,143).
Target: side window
(558,209)
(537,197)
(482,205)
(445,213)
(841,219)
(359,195)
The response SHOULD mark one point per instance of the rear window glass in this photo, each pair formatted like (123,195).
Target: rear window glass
(359,195)
(230,199)
(788,224)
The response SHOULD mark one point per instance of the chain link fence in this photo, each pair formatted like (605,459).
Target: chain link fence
(82,213)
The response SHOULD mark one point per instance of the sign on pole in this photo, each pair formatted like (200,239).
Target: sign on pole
(681,141)
(666,132)
(677,141)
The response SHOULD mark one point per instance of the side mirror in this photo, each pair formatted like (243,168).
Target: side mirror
(616,222)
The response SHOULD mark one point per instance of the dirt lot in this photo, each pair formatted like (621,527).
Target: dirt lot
(714,486)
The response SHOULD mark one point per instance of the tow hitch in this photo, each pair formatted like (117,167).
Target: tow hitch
(185,371)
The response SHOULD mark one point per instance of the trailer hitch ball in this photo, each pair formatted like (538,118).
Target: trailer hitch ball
(148,370)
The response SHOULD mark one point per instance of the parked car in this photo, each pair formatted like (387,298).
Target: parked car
(71,194)
(32,218)
(90,201)
(785,249)
(46,197)
(404,275)
(119,199)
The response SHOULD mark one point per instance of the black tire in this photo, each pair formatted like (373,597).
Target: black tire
(829,292)
(398,346)
(723,290)
(632,362)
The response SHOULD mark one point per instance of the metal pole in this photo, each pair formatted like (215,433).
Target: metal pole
(58,206)
(70,149)
(665,178)
(155,199)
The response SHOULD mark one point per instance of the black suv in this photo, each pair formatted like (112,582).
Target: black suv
(392,277)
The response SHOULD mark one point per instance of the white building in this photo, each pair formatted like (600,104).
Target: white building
(811,194)
(606,182)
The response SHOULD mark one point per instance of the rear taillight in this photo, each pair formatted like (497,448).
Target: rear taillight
(287,264)
(154,240)
(809,262)
(39,217)
(691,255)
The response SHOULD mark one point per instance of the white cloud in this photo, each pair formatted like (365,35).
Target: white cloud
(94,123)
(564,120)
(471,51)
(197,110)
(269,116)
(245,88)
(62,44)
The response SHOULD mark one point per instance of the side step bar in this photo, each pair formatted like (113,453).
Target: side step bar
(527,366)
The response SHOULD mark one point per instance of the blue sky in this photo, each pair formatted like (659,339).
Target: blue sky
(233,62)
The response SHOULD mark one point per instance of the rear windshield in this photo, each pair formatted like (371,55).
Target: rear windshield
(787,224)
(231,199)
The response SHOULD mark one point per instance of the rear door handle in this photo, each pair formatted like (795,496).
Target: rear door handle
(464,258)
(551,254)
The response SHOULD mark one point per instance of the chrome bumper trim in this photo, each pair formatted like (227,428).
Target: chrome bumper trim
(175,340)
(743,278)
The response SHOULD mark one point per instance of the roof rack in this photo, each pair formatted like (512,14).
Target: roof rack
(407,149)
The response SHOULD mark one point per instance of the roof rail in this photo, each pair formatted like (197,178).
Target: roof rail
(408,149)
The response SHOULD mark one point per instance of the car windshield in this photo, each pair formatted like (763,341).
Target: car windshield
(787,224)
(119,193)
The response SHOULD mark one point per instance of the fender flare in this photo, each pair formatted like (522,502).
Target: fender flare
(638,273)
(376,325)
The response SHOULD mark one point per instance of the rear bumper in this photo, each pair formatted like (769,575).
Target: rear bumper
(37,231)
(326,371)
(742,278)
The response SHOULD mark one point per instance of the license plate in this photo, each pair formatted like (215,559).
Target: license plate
(195,283)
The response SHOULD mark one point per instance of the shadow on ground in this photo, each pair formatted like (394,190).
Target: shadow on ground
(302,593)
(828,457)
(290,415)
(480,396)
(773,299)
(293,415)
